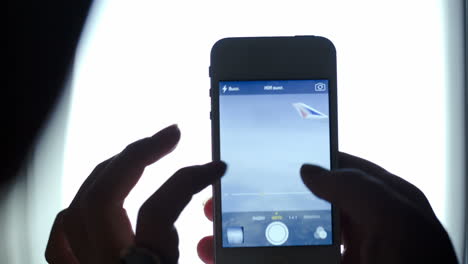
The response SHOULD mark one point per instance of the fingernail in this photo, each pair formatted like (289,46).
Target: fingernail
(219,167)
(171,131)
(309,172)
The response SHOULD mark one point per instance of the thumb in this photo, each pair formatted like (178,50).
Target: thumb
(364,198)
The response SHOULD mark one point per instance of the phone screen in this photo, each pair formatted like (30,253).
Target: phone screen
(268,129)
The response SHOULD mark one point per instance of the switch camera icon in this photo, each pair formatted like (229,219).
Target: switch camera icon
(320,87)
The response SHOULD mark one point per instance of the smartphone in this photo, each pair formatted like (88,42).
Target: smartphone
(274,108)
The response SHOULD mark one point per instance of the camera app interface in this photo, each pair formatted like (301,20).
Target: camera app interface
(268,129)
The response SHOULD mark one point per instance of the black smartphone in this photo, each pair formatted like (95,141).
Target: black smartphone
(274,108)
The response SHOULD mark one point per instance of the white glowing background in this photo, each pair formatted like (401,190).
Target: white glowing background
(143,65)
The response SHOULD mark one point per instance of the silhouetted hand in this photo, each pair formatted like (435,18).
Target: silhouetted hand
(384,219)
(95,227)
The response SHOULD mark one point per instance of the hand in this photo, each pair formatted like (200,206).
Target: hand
(95,227)
(384,219)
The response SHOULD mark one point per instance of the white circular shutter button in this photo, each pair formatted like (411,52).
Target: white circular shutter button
(277,233)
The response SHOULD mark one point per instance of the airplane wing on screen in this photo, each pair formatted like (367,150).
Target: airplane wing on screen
(307,112)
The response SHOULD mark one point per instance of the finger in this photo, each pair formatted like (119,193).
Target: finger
(205,249)
(403,187)
(73,221)
(208,209)
(178,190)
(89,181)
(124,171)
(348,161)
(364,199)
(58,250)
(160,211)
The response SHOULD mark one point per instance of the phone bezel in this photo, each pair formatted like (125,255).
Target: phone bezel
(273,58)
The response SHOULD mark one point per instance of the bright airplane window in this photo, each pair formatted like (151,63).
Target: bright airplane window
(143,65)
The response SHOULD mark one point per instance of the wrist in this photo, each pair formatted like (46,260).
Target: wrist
(135,255)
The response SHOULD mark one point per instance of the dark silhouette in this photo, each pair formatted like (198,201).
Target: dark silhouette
(95,227)
(41,42)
